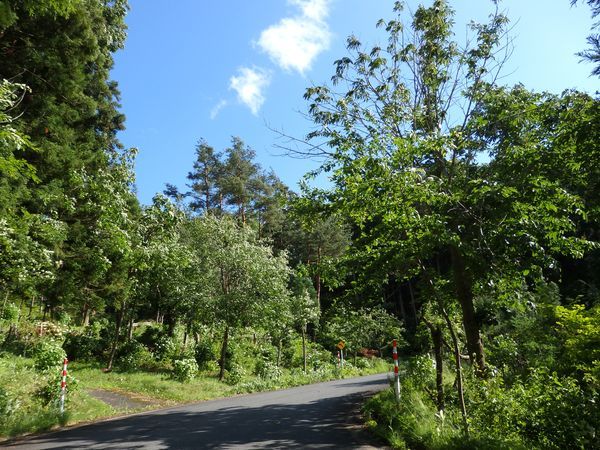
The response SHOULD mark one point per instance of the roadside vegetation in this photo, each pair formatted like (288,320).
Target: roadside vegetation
(461,218)
(142,378)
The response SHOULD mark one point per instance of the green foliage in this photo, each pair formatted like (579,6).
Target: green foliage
(579,332)
(48,355)
(543,411)
(84,344)
(361,328)
(267,370)
(204,354)
(11,313)
(235,374)
(133,356)
(185,369)
(8,405)
(166,348)
(50,390)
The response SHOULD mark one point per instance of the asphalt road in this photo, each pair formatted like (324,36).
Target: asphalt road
(322,416)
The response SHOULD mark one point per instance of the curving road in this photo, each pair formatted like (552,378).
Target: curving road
(322,416)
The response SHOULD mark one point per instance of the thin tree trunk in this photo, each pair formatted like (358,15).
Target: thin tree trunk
(413,305)
(304,348)
(459,378)
(186,334)
(318,277)
(113,351)
(464,293)
(279,344)
(86,314)
(436,336)
(222,359)
(130,329)
(402,309)
(31,306)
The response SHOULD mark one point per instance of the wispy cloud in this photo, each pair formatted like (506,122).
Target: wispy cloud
(217,109)
(250,85)
(295,42)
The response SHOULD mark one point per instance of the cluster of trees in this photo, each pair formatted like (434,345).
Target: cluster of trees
(230,252)
(465,199)
(466,208)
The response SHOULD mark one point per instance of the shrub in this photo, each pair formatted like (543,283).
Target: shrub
(235,374)
(545,410)
(8,405)
(151,336)
(84,344)
(267,370)
(362,363)
(132,356)
(48,355)
(11,313)
(185,369)
(165,348)
(50,391)
(204,354)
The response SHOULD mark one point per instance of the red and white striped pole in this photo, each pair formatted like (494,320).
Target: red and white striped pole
(396,376)
(63,386)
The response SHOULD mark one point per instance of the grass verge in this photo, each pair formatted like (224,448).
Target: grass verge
(24,409)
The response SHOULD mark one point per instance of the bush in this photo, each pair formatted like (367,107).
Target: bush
(267,370)
(184,370)
(204,354)
(133,356)
(8,405)
(10,313)
(50,391)
(84,344)
(545,411)
(165,349)
(151,336)
(362,363)
(48,355)
(235,374)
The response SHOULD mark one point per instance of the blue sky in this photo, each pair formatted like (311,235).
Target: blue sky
(202,69)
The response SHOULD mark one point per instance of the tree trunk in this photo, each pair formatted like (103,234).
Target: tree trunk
(113,351)
(464,293)
(186,334)
(279,344)
(31,306)
(436,336)
(130,329)
(304,348)
(459,378)
(86,314)
(223,357)
(318,278)
(413,304)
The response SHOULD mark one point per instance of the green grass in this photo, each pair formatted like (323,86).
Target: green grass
(21,382)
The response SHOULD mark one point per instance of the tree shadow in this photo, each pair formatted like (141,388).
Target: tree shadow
(325,423)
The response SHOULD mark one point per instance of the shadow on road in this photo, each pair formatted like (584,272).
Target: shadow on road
(319,424)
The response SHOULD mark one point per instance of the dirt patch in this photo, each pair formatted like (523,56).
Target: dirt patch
(119,400)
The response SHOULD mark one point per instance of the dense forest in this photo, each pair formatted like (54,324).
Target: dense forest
(462,218)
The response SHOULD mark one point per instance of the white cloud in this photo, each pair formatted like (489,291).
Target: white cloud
(217,109)
(250,85)
(295,42)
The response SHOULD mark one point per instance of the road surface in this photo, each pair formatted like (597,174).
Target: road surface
(321,416)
